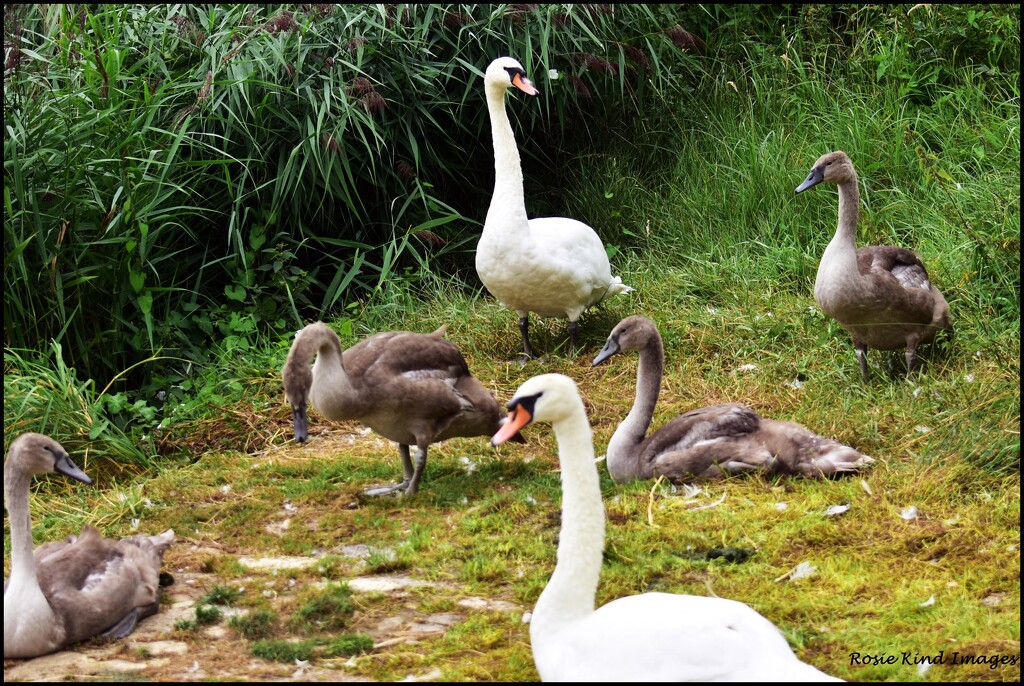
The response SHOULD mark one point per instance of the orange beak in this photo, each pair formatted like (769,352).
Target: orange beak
(524,84)
(516,420)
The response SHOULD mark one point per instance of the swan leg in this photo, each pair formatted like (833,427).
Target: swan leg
(733,467)
(421,463)
(911,356)
(407,470)
(714,459)
(407,474)
(524,329)
(128,623)
(682,465)
(834,458)
(573,329)
(862,358)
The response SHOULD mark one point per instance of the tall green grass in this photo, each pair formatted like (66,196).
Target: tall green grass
(940,179)
(190,182)
(176,172)
(695,199)
(715,214)
(43,394)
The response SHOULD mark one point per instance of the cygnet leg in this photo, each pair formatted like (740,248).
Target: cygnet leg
(862,358)
(421,463)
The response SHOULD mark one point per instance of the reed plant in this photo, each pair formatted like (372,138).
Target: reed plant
(173,170)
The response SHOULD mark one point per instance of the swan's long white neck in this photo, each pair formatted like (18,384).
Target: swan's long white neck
(508,203)
(570,592)
(29,621)
(623,462)
(839,263)
(23,568)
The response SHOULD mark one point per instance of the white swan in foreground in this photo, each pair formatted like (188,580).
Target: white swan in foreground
(67,591)
(553,266)
(880,294)
(710,441)
(411,388)
(647,637)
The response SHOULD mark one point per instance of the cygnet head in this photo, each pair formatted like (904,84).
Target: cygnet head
(505,72)
(632,333)
(33,453)
(832,167)
(544,398)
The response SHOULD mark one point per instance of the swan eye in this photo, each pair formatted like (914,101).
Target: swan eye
(528,402)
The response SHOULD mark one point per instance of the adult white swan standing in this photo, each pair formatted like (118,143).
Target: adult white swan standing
(411,388)
(647,637)
(711,441)
(553,266)
(67,591)
(880,294)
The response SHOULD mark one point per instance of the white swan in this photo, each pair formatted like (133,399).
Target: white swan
(647,637)
(710,441)
(880,294)
(411,388)
(553,266)
(67,591)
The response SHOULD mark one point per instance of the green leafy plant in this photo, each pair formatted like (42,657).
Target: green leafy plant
(347,645)
(43,394)
(328,609)
(220,595)
(185,625)
(284,651)
(207,614)
(256,624)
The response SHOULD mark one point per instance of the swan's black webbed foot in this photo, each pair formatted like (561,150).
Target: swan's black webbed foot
(524,359)
(126,625)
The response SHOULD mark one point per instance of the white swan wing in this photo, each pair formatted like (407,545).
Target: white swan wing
(574,246)
(562,270)
(669,637)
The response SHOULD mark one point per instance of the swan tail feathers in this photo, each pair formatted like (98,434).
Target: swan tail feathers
(616,287)
(162,541)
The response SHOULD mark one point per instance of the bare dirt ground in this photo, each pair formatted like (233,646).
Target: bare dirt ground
(157,651)
(395,609)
